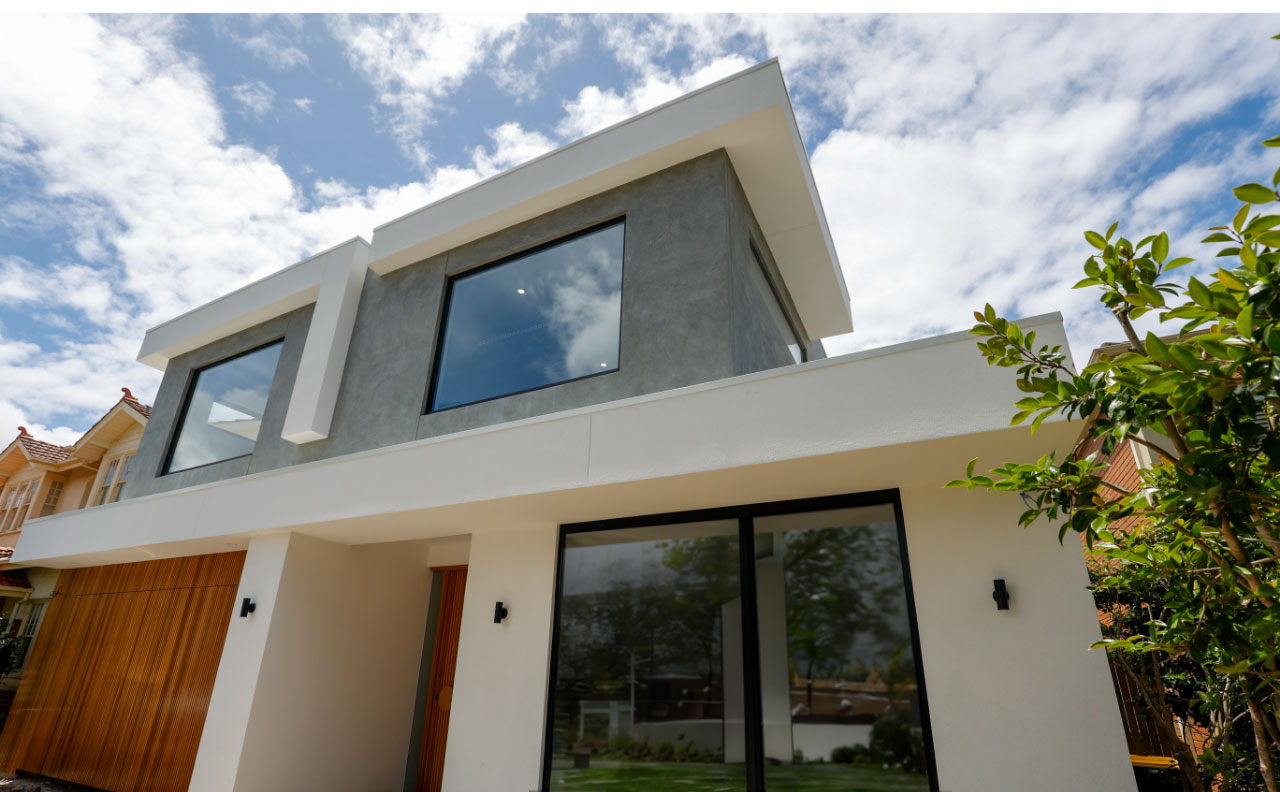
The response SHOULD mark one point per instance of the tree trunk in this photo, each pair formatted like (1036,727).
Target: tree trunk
(1264,746)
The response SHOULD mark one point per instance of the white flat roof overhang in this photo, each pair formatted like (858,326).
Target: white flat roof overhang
(864,421)
(748,115)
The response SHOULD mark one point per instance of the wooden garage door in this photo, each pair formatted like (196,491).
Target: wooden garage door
(116,690)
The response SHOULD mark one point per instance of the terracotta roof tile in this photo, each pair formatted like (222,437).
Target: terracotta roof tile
(39,449)
(128,399)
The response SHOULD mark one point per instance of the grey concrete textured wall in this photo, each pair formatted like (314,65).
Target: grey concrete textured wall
(758,343)
(688,316)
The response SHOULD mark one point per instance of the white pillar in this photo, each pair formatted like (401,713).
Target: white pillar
(498,716)
(316,688)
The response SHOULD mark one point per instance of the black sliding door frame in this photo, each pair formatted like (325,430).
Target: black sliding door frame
(753,707)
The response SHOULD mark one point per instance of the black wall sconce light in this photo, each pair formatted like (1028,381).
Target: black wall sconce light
(499,613)
(247,606)
(1000,595)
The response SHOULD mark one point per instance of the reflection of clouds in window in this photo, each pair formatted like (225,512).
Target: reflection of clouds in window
(224,413)
(584,312)
(545,317)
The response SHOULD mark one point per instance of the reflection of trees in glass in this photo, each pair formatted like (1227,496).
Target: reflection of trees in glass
(846,604)
(662,615)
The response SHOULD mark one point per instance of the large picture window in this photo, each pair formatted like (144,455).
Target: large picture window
(541,318)
(224,409)
(762,647)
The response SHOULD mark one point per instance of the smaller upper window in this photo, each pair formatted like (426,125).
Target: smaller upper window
(51,499)
(113,480)
(224,410)
(764,284)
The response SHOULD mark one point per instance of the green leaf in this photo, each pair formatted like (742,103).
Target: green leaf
(1275,141)
(1244,320)
(1238,221)
(1019,417)
(1270,239)
(1263,223)
(968,470)
(1152,296)
(1255,193)
(1218,237)
(1112,229)
(1275,178)
(1160,247)
(1097,240)
(1178,262)
(1157,349)
(1200,293)
(1231,281)
(1183,359)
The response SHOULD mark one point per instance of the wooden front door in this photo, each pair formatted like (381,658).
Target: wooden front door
(444,659)
(115,693)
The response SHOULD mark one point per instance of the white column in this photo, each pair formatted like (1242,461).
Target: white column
(316,688)
(498,717)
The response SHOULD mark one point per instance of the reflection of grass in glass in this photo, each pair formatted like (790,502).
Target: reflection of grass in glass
(653,777)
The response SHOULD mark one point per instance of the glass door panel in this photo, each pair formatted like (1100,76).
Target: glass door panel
(839,689)
(649,668)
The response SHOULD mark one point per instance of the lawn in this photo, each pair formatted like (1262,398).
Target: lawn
(654,776)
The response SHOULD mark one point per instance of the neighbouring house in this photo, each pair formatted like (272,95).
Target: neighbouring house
(39,479)
(551,485)
(1149,749)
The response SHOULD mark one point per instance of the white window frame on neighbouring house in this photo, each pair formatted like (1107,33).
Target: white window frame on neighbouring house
(51,497)
(113,479)
(16,502)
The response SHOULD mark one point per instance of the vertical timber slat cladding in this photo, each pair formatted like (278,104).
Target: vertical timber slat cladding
(116,690)
(444,661)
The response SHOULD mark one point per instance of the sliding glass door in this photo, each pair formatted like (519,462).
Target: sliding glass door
(769,646)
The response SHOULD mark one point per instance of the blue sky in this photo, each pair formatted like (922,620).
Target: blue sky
(150,164)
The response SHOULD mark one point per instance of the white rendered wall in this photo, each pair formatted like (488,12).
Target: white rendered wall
(499,697)
(1016,699)
(332,705)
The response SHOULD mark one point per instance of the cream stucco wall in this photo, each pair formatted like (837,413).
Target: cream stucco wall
(316,688)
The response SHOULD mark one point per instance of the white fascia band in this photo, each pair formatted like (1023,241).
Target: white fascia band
(333,280)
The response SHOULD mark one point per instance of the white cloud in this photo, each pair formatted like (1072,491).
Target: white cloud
(120,125)
(255,97)
(971,152)
(274,50)
(414,62)
(304,103)
(594,109)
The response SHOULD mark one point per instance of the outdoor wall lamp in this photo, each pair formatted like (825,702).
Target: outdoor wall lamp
(1000,595)
(499,613)
(247,606)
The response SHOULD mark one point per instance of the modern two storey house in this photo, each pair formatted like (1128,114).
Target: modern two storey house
(551,486)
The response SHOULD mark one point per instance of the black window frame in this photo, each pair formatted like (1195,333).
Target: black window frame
(753,703)
(442,318)
(188,391)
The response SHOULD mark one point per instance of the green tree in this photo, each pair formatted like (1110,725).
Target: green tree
(1197,583)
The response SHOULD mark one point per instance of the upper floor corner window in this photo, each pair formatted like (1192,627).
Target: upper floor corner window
(760,277)
(224,409)
(540,318)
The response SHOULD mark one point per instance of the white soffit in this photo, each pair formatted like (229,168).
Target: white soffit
(332,280)
(749,115)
